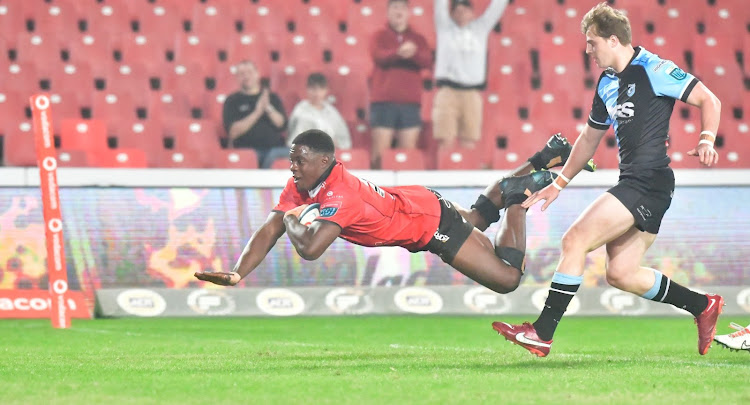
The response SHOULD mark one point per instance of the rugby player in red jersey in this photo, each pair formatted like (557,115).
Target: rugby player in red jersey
(413,217)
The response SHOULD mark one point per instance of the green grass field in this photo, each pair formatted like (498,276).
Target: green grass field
(361,360)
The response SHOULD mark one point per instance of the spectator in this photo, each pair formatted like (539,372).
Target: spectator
(461,70)
(399,54)
(254,117)
(317,113)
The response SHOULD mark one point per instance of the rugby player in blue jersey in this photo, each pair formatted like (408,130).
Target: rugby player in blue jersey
(635,94)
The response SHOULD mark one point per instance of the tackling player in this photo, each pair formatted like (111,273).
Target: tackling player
(413,217)
(636,94)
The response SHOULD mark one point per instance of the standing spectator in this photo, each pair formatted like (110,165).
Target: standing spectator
(461,69)
(316,112)
(399,54)
(254,117)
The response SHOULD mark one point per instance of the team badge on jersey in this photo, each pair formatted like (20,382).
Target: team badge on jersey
(677,73)
(631,89)
(329,209)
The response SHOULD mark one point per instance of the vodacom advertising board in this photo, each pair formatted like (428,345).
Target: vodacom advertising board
(53,230)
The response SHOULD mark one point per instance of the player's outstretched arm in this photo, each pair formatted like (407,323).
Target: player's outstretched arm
(310,241)
(255,251)
(710,107)
(582,152)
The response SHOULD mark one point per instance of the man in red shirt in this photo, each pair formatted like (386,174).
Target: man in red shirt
(413,217)
(399,53)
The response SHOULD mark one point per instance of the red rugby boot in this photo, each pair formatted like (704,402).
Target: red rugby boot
(525,336)
(706,322)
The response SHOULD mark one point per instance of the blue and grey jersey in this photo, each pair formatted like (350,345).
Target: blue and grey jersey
(639,102)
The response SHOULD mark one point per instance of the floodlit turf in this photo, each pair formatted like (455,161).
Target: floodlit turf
(362,360)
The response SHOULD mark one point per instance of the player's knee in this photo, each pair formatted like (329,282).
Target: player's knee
(572,240)
(513,282)
(617,276)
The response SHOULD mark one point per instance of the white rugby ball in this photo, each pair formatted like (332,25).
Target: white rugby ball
(309,214)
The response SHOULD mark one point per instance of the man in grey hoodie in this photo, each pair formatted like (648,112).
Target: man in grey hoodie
(461,69)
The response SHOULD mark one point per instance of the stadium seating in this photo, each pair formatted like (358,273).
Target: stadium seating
(234,159)
(354,158)
(457,158)
(156,63)
(403,159)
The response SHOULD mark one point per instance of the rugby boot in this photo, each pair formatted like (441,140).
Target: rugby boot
(517,189)
(736,341)
(525,336)
(556,152)
(706,322)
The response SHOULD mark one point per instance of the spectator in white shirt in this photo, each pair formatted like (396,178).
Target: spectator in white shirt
(316,112)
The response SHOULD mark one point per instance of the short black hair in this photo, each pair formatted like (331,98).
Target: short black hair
(317,80)
(316,140)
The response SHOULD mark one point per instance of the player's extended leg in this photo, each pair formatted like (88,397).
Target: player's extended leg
(486,210)
(499,266)
(477,260)
(604,220)
(624,271)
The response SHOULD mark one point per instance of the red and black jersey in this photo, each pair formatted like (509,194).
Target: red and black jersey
(368,215)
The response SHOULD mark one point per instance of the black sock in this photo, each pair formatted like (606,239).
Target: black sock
(537,161)
(682,297)
(561,291)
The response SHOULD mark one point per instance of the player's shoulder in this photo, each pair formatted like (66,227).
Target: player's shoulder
(650,61)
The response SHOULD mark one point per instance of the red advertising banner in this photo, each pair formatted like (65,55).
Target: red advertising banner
(47,161)
(37,303)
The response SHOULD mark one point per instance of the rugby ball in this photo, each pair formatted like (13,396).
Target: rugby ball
(309,214)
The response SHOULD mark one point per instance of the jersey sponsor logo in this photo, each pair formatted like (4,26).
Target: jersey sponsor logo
(485,301)
(330,193)
(141,302)
(625,110)
(660,64)
(623,303)
(244,107)
(677,73)
(210,302)
(352,301)
(328,212)
(280,302)
(418,300)
(631,89)
(439,236)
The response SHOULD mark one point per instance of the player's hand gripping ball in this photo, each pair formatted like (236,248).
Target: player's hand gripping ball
(307,215)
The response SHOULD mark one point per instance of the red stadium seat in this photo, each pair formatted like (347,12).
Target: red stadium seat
(90,49)
(234,159)
(13,107)
(19,147)
(164,19)
(88,135)
(21,77)
(403,159)
(459,159)
(120,158)
(72,158)
(280,164)
(181,159)
(141,49)
(354,158)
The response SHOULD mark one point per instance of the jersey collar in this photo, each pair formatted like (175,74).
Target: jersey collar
(321,184)
(637,52)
